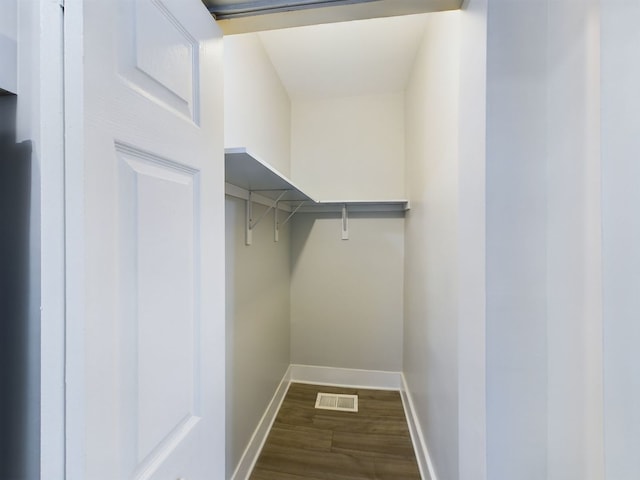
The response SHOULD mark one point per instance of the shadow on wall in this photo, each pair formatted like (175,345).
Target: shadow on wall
(15,190)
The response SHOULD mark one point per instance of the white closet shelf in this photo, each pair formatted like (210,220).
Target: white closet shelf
(245,170)
(250,178)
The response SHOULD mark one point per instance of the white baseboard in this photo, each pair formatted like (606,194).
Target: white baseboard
(425,465)
(259,437)
(346,377)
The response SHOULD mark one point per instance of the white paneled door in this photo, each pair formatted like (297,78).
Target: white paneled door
(145,243)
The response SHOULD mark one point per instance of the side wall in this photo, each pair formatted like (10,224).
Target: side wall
(530,131)
(516,248)
(257,312)
(472,398)
(257,116)
(574,271)
(430,278)
(257,112)
(543,261)
(621,236)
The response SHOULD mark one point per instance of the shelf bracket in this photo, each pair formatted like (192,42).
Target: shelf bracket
(248,216)
(250,224)
(277,224)
(345,223)
(295,210)
(276,229)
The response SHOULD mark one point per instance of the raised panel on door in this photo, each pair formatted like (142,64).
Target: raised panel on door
(160,286)
(153,264)
(151,39)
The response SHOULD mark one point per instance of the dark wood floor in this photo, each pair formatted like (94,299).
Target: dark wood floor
(306,443)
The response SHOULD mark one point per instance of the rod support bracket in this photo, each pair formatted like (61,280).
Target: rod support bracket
(345,223)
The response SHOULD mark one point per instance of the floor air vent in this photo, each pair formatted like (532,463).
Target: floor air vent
(332,401)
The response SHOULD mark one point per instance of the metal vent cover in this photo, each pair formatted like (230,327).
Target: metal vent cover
(339,402)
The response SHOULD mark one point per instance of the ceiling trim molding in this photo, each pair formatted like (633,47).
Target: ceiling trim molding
(239,10)
(274,15)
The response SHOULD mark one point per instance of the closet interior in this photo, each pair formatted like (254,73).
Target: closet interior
(324,137)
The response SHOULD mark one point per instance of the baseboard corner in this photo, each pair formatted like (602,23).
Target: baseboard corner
(252,451)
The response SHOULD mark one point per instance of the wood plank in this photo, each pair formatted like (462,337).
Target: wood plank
(306,443)
(327,465)
(393,469)
(379,445)
(300,437)
(260,473)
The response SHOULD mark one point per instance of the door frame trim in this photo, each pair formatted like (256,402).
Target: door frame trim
(40,113)
(75,435)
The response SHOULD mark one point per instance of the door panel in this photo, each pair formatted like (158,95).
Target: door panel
(159,57)
(153,182)
(158,277)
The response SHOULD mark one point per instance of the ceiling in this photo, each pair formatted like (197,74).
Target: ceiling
(242,16)
(346,59)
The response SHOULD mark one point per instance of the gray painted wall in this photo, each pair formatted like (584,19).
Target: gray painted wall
(430,269)
(349,148)
(472,403)
(574,245)
(516,255)
(529,220)
(543,223)
(621,236)
(257,112)
(257,312)
(257,116)
(346,295)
